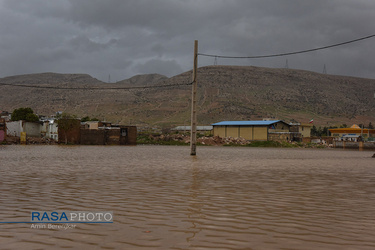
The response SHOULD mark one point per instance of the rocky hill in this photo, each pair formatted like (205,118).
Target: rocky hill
(143,80)
(224,93)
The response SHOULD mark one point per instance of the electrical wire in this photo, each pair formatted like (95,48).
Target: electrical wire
(104,88)
(289,53)
(199,54)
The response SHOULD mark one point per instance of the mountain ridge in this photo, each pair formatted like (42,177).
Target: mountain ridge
(224,93)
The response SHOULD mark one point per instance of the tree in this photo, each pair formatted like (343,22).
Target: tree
(65,123)
(26,114)
(87,118)
(314,131)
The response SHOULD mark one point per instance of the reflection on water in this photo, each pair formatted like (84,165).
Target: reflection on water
(163,198)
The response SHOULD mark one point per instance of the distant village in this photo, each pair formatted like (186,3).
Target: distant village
(64,130)
(69,130)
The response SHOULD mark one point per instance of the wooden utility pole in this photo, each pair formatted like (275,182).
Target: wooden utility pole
(193,134)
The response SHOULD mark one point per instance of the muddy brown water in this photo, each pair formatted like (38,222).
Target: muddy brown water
(163,198)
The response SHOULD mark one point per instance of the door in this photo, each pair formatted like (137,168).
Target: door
(2,136)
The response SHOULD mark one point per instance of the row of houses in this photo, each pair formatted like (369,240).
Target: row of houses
(44,129)
(105,133)
(87,133)
(98,133)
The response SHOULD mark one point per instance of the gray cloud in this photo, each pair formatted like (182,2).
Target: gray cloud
(159,66)
(123,38)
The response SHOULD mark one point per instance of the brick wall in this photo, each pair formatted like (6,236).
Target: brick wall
(93,137)
(131,135)
(113,137)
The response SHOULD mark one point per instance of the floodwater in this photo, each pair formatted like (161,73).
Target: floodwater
(163,198)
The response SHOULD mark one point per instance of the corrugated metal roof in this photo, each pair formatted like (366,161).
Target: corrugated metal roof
(189,128)
(245,123)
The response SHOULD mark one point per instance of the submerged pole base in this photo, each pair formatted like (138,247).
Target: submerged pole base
(193,150)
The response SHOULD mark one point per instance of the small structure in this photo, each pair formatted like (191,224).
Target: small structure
(188,128)
(114,135)
(254,130)
(3,131)
(303,128)
(5,115)
(96,133)
(52,130)
(32,129)
(92,124)
(354,133)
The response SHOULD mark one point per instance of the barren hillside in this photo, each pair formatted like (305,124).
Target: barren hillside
(224,93)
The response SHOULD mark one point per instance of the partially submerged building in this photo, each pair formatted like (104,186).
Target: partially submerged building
(354,133)
(69,131)
(273,130)
(97,133)
(303,128)
(113,135)
(32,129)
(3,131)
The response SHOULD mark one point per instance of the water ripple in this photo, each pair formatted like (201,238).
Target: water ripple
(162,198)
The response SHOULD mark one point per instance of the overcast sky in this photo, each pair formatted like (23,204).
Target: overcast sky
(123,38)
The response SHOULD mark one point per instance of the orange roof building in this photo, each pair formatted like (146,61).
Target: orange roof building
(353,131)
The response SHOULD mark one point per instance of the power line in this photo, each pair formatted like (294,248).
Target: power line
(104,88)
(289,53)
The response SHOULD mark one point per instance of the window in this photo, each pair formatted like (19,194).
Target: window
(124,132)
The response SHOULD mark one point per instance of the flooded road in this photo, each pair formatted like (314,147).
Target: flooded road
(163,198)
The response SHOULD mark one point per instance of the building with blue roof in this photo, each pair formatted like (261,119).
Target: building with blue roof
(255,130)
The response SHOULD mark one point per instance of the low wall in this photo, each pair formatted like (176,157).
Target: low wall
(354,145)
(284,136)
(317,139)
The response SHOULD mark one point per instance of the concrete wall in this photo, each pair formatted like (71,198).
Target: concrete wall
(53,131)
(284,136)
(14,128)
(305,130)
(33,129)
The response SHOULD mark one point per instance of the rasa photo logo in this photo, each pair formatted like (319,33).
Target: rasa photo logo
(71,217)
